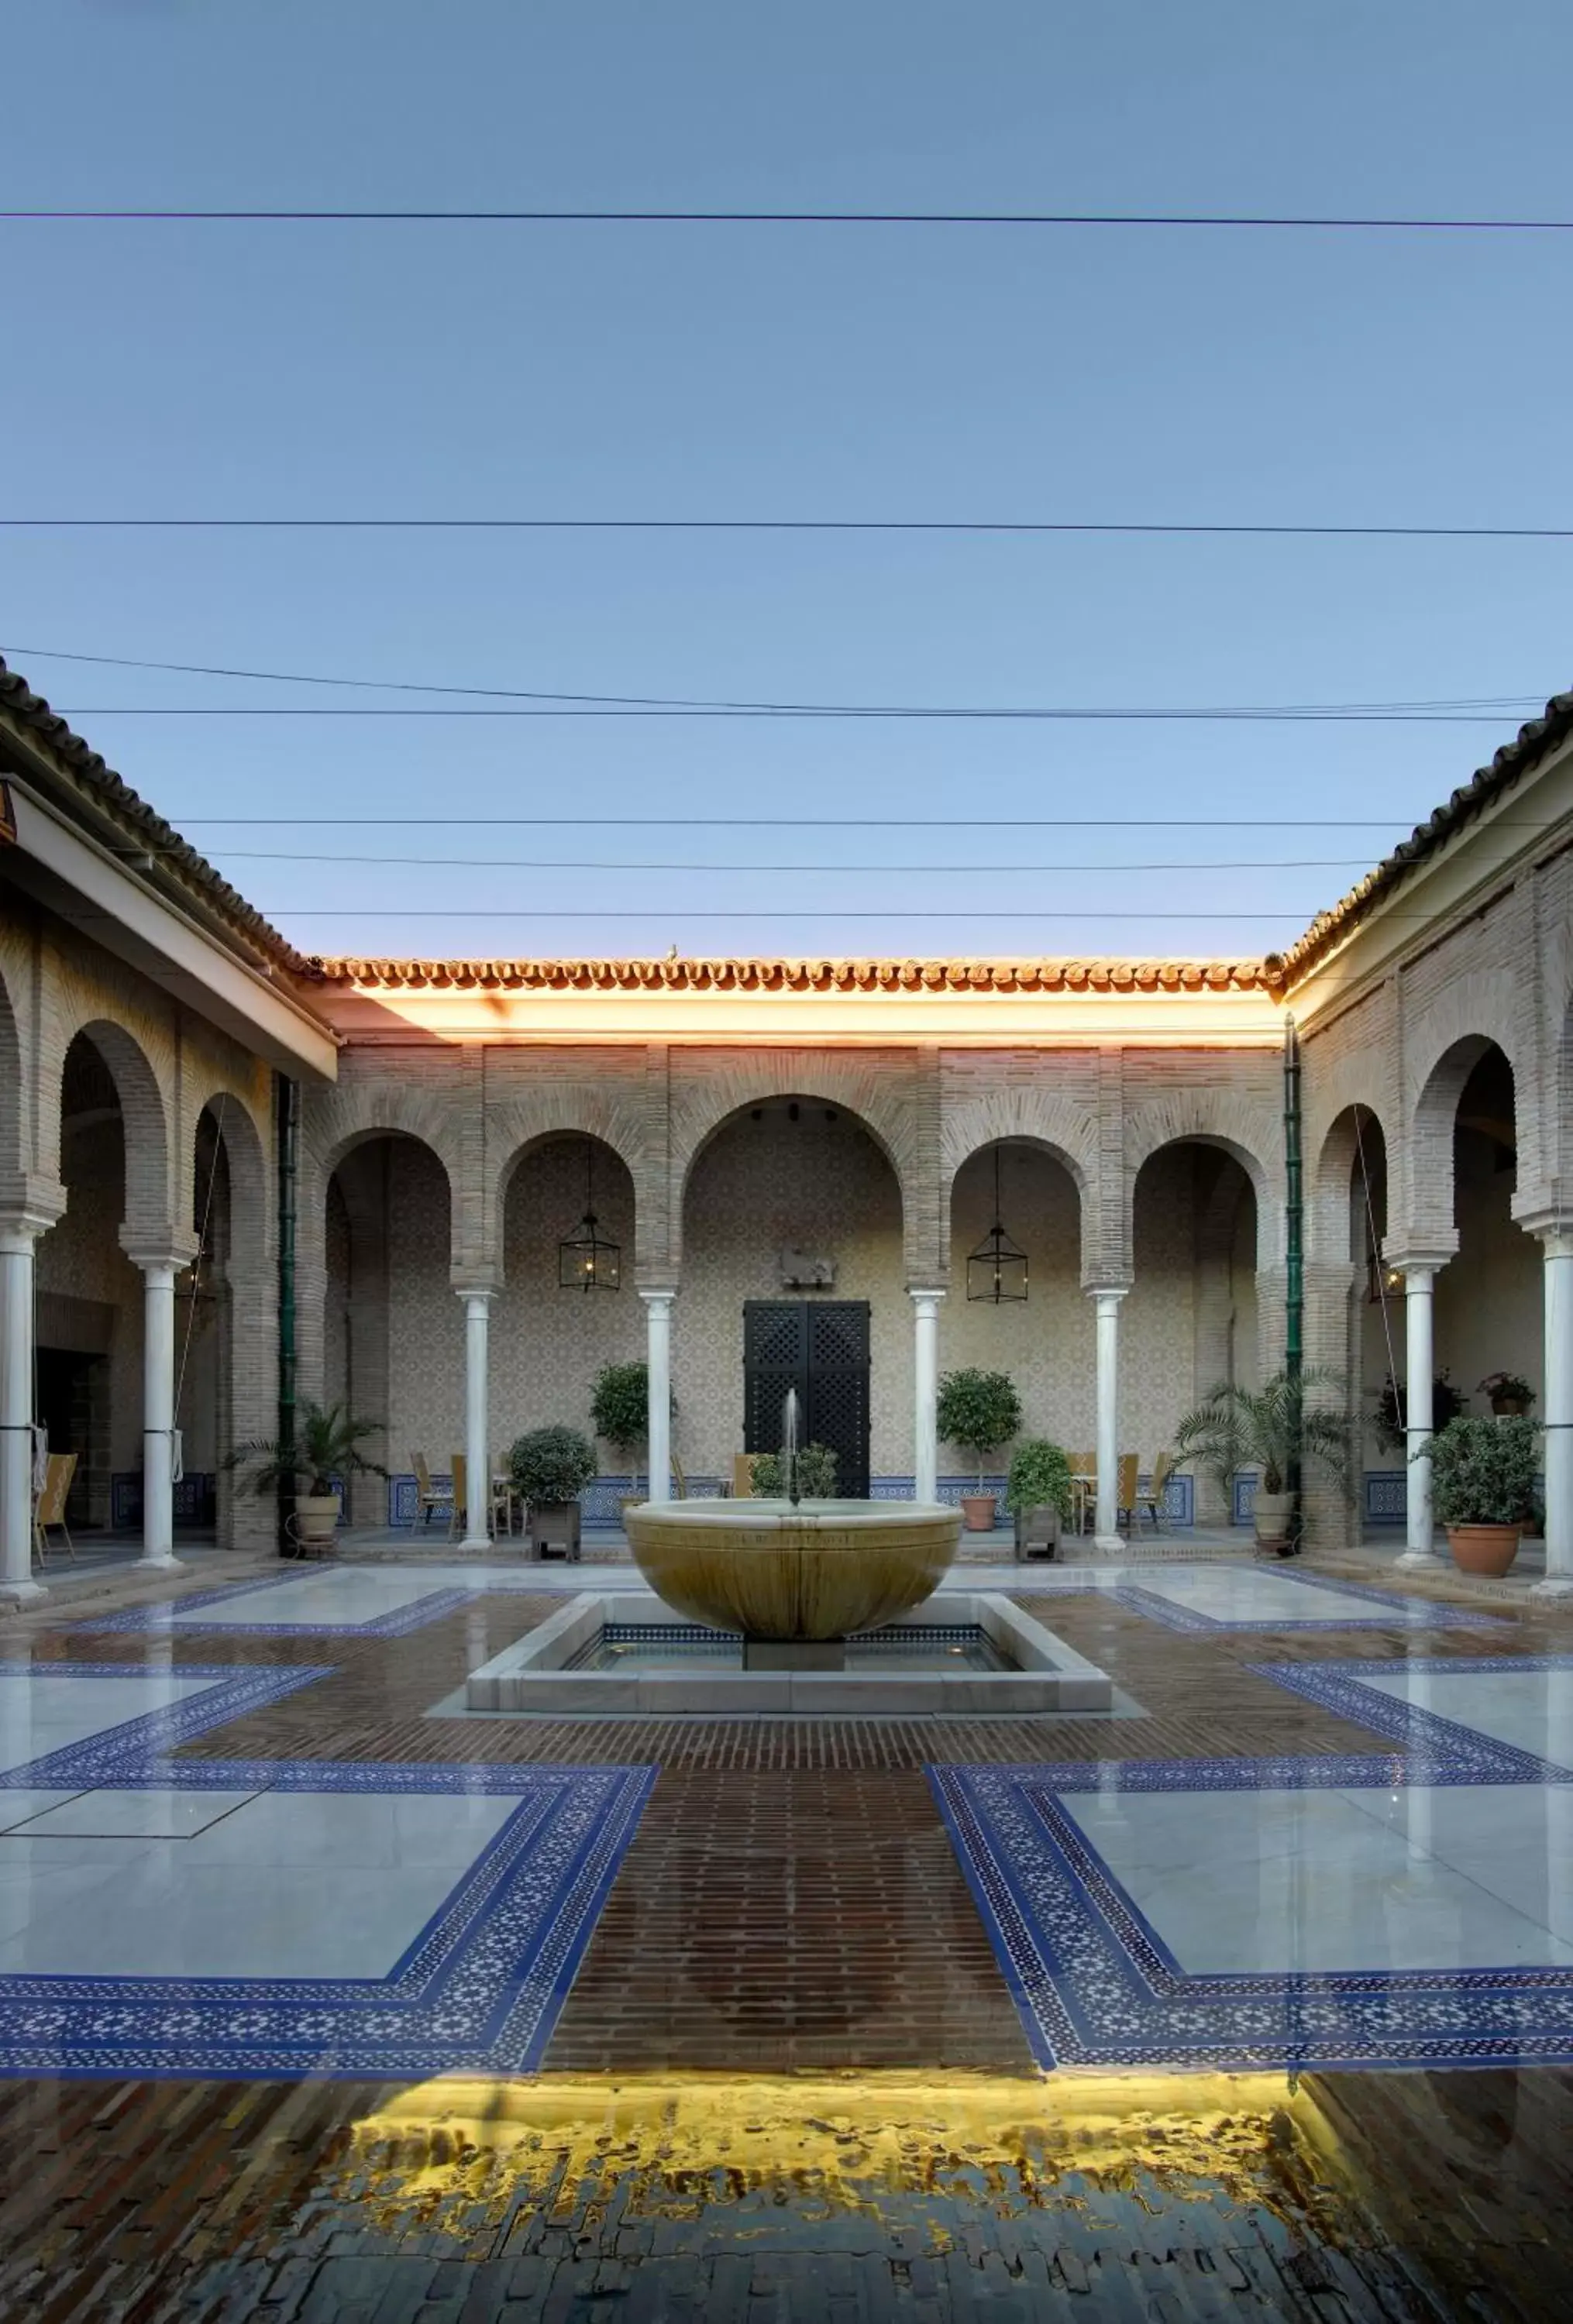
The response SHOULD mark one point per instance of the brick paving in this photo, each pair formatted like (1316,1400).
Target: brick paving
(789,1910)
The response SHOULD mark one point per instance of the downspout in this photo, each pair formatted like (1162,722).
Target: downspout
(287,1111)
(1294,1256)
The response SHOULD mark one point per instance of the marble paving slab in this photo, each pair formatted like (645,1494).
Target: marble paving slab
(1334,1911)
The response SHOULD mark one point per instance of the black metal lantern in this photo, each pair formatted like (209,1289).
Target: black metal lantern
(997,1270)
(587,1261)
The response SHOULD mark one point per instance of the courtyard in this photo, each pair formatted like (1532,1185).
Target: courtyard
(324,1996)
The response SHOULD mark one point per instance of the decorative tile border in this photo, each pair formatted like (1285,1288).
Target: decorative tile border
(172,1618)
(1421,1613)
(479,1991)
(1096,1987)
(1342,1687)
(120,1755)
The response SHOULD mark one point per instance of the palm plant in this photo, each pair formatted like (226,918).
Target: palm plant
(326,1451)
(1267,1428)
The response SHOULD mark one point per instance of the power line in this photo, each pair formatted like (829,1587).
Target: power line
(1142,527)
(789,712)
(1448,709)
(808,822)
(557,863)
(1184,220)
(662,910)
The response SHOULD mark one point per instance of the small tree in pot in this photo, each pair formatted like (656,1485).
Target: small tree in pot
(620,1410)
(326,1453)
(1264,1428)
(1039,1495)
(1393,1410)
(978,1411)
(816,1475)
(1507,1392)
(550,1468)
(1485,1487)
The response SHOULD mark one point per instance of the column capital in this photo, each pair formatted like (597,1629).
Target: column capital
(658,1294)
(1418,1257)
(478,1284)
(169,1252)
(1553,1226)
(28,1205)
(1106,1290)
(919,1291)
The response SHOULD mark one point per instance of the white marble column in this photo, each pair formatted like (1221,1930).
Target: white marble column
(19,1234)
(478,1458)
(158,1409)
(1557,1409)
(1106,1527)
(1419,1281)
(926,1376)
(658,1353)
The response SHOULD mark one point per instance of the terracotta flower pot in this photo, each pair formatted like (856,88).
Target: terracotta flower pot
(977,1510)
(1484,1548)
(1503,1407)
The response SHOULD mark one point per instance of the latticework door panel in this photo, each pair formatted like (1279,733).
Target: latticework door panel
(821,1350)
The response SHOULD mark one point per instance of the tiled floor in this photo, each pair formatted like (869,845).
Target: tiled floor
(238,1853)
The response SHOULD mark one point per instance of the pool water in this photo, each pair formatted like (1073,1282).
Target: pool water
(902,1646)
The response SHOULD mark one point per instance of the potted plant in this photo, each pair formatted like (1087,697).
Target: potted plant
(325,1451)
(1264,1428)
(1509,1394)
(620,1412)
(1393,1410)
(550,1468)
(978,1411)
(816,1475)
(1039,1495)
(1485,1487)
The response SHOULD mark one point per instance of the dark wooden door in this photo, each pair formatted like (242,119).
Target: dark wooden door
(820,1348)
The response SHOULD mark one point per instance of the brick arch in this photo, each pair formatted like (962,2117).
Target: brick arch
(350,1117)
(1020,1118)
(13,1153)
(1210,1118)
(514,1130)
(1357,1128)
(1442,1045)
(251,1221)
(862,1091)
(608,1156)
(149,1222)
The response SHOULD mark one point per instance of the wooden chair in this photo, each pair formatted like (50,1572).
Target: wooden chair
(49,1511)
(459,1514)
(1083,1479)
(1125,1477)
(1150,1497)
(429,1499)
(504,1500)
(680,1483)
(743,1476)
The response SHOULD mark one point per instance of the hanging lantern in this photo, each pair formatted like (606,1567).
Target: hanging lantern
(587,1261)
(997,1270)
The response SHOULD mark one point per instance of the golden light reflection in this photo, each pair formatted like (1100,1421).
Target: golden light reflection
(894,2148)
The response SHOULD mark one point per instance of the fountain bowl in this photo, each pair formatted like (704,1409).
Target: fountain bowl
(823,1569)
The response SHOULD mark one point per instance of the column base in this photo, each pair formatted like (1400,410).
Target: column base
(1108,1544)
(164,1561)
(1555,1585)
(476,1541)
(1420,1557)
(22,1593)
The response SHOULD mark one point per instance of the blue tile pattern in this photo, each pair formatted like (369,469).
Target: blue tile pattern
(1426,1613)
(1096,1987)
(1338,1687)
(478,1991)
(175,1615)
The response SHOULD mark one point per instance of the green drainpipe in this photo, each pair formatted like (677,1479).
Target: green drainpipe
(287,1110)
(1294,1286)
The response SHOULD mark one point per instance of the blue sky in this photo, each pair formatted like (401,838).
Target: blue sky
(189,369)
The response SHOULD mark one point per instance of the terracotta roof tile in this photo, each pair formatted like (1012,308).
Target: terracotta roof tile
(162,841)
(781,975)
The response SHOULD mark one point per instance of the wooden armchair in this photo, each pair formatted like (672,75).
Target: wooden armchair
(49,1511)
(430,1499)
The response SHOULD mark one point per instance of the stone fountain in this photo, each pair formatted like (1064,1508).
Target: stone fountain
(798,1577)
